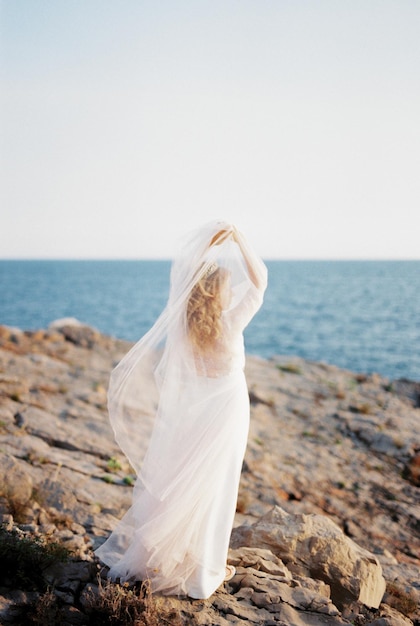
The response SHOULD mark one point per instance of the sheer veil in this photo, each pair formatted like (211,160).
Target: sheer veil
(154,385)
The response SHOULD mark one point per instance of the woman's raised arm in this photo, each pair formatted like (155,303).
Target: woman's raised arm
(256,268)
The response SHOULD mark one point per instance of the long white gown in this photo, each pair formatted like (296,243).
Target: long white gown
(177,531)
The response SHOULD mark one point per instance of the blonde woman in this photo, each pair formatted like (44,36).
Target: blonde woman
(191,362)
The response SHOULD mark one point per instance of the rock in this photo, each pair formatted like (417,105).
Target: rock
(411,469)
(243,611)
(263,579)
(16,484)
(78,333)
(407,389)
(6,520)
(320,549)
(390,617)
(386,558)
(7,609)
(54,495)
(261,560)
(324,443)
(11,603)
(65,596)
(71,616)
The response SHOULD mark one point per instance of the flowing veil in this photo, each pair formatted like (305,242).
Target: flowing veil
(150,378)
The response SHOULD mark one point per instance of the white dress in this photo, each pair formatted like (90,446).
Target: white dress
(177,531)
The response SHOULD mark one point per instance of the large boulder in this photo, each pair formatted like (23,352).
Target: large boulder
(274,593)
(314,546)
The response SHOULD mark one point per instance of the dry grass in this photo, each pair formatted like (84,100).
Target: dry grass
(120,605)
(401,600)
(43,612)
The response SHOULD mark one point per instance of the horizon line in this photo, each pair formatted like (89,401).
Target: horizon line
(169,259)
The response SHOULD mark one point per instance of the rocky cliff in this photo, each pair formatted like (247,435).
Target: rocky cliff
(328,511)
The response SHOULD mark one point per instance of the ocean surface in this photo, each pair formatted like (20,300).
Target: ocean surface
(360,315)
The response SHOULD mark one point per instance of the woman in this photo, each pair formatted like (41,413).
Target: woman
(191,363)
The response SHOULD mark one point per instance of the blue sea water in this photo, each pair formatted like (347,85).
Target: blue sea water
(361,315)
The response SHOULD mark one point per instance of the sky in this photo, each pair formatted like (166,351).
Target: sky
(126,123)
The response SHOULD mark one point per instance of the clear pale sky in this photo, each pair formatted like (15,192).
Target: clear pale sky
(125,123)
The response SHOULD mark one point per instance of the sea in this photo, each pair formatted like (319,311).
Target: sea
(360,315)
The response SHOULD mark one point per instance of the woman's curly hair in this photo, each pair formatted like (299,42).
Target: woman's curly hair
(204,309)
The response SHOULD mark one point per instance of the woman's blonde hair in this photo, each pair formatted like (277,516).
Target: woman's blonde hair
(205,308)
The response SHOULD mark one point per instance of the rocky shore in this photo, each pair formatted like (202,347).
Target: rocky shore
(328,517)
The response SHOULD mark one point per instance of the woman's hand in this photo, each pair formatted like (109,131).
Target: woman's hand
(235,234)
(220,237)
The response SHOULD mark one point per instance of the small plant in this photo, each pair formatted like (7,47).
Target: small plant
(44,611)
(129,480)
(401,600)
(120,605)
(291,368)
(114,464)
(24,560)
(258,441)
(108,479)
